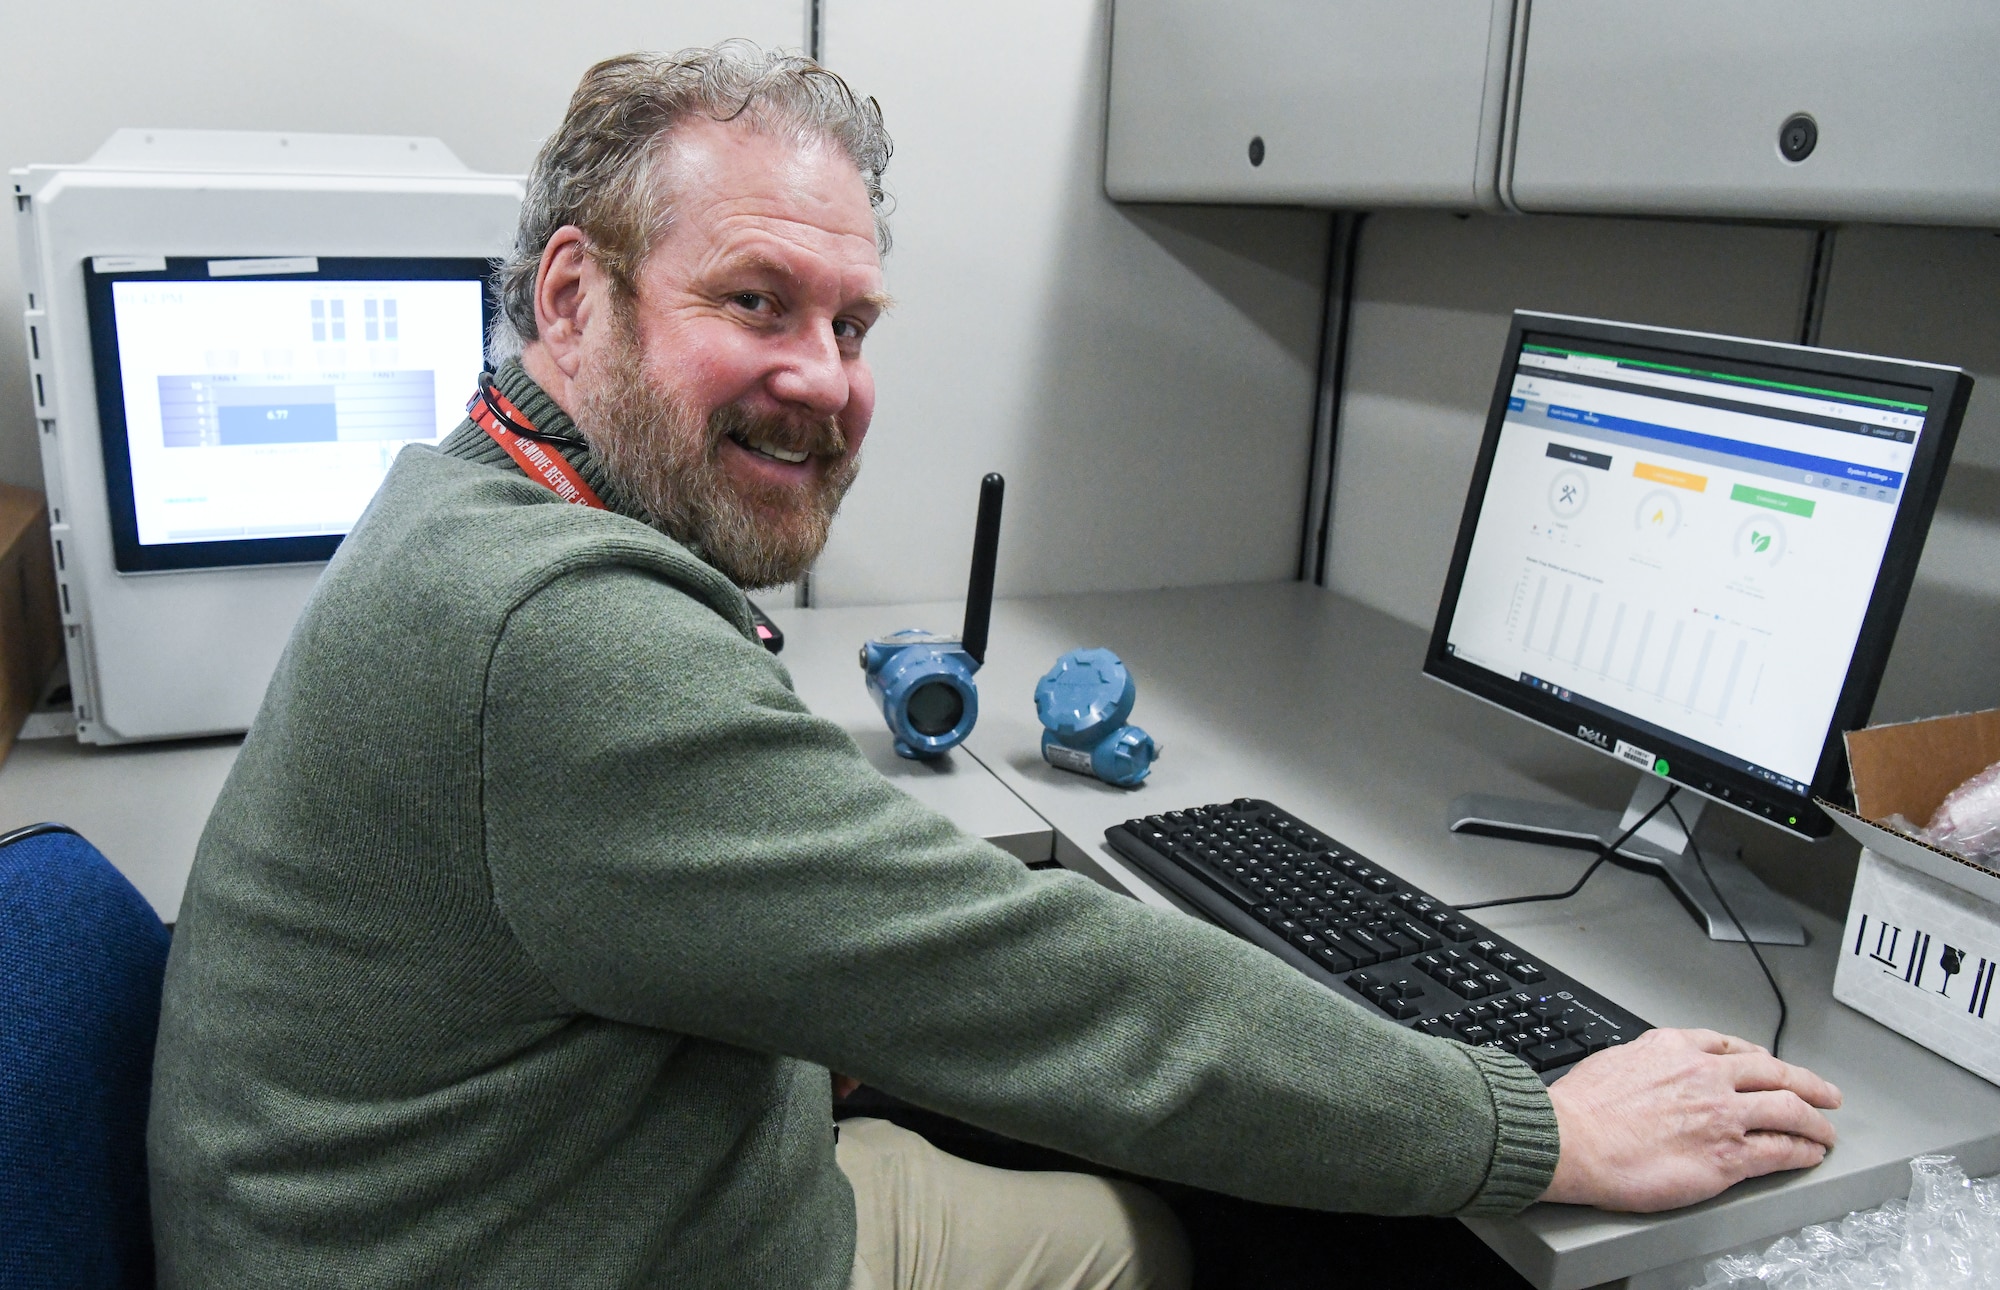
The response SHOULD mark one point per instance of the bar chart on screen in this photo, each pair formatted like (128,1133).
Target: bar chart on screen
(1653,659)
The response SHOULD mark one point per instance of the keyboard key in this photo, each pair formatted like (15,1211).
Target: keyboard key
(1406,988)
(1527,972)
(1557,1052)
(1400,1009)
(1329,957)
(1361,954)
(1475,1034)
(1436,1027)
(1458,929)
(1425,938)
(1374,944)
(1394,936)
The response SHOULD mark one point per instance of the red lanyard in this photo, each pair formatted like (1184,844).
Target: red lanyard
(539,462)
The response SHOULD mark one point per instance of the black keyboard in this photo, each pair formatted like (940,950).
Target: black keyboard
(1350,924)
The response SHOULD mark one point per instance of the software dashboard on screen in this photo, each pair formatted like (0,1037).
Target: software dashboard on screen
(1689,544)
(253,417)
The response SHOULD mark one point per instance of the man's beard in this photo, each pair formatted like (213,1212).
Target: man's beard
(658,453)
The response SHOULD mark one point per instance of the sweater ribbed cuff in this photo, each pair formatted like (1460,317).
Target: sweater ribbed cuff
(1525,1142)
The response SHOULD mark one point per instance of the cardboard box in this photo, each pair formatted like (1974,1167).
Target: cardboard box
(30,621)
(1922,945)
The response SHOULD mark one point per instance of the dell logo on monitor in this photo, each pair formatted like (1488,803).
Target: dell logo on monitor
(1601,740)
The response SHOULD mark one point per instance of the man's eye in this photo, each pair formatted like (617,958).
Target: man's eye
(848,329)
(754,301)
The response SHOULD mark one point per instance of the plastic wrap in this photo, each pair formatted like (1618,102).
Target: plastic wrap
(1947,1234)
(1968,820)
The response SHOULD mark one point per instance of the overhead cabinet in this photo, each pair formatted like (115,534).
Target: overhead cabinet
(1760,109)
(1889,112)
(1308,102)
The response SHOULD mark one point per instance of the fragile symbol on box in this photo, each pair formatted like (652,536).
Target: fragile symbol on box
(1909,958)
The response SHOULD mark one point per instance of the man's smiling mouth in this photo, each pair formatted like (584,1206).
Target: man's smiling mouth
(770,450)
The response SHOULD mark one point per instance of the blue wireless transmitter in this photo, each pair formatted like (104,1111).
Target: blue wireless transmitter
(923,681)
(1083,702)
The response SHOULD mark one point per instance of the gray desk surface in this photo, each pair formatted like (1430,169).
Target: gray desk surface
(142,805)
(1289,693)
(1285,692)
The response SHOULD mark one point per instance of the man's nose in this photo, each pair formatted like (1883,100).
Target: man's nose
(812,376)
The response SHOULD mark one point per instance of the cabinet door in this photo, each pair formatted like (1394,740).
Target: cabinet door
(1676,108)
(1356,102)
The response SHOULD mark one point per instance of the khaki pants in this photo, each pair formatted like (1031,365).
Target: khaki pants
(927,1220)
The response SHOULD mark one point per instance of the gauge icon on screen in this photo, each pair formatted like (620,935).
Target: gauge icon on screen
(1760,540)
(1659,514)
(1567,494)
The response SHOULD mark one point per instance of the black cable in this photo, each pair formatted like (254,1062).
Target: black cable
(489,394)
(1778,1035)
(1604,853)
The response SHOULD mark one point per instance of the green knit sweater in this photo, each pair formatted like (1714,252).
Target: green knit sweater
(537,907)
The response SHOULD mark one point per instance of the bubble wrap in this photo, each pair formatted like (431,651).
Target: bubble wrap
(1946,1234)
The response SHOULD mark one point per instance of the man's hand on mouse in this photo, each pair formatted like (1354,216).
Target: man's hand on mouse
(1676,1116)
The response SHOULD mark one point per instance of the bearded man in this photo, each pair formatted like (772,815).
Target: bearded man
(537,908)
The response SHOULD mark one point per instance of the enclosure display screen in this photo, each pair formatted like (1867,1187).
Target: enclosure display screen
(1682,552)
(264,411)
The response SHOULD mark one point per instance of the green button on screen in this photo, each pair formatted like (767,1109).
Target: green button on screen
(1790,505)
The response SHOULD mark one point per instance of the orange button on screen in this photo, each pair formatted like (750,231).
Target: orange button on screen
(1667,475)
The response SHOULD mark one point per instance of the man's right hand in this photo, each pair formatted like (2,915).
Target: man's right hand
(1678,1115)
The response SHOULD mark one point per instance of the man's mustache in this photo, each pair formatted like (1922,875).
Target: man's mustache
(819,436)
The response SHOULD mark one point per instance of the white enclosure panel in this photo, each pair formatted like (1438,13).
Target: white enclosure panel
(1934,294)
(1358,102)
(1434,296)
(1143,377)
(174,654)
(490,79)
(1676,108)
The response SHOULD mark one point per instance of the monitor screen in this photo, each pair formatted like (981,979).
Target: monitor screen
(1690,552)
(251,407)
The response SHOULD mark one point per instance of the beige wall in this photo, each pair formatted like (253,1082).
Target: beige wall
(1142,376)
(489,79)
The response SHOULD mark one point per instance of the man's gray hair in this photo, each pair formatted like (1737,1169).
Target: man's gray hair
(600,170)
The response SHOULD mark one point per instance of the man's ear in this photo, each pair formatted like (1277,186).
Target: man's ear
(565,285)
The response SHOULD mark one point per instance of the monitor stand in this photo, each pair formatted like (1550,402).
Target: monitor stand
(1660,846)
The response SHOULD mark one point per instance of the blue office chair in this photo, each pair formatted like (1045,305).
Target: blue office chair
(81,957)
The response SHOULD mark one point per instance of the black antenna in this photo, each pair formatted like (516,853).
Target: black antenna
(985,553)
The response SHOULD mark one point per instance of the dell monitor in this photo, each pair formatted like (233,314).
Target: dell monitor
(249,407)
(1690,552)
